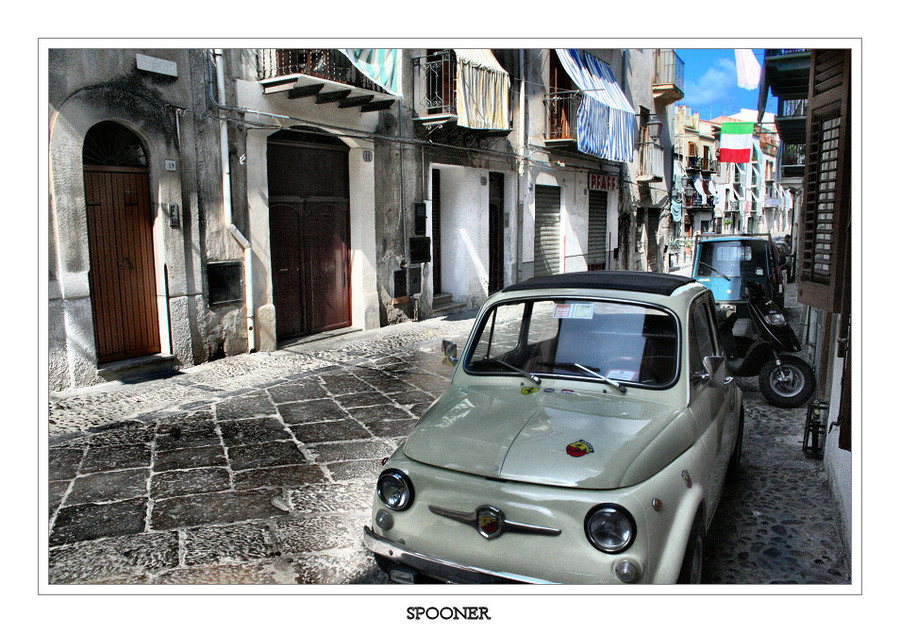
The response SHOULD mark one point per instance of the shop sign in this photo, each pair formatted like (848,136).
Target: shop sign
(602,182)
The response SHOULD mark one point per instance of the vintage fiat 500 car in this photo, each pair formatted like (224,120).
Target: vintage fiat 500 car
(585,438)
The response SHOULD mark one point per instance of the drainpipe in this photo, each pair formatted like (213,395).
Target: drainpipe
(227,208)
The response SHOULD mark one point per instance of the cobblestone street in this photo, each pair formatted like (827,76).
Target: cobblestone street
(259,469)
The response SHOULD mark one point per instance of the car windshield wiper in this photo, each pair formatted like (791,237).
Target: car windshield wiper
(727,278)
(592,371)
(518,370)
(601,377)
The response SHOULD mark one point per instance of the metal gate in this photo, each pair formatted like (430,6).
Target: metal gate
(546,230)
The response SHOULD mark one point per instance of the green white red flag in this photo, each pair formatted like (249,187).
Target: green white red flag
(736,142)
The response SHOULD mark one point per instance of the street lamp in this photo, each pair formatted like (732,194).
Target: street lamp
(654,126)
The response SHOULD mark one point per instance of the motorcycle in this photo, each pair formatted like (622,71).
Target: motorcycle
(784,380)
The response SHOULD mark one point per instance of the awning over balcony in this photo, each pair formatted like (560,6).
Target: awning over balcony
(605,118)
(482,90)
(381,65)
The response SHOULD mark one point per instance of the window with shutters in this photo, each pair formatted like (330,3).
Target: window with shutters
(826,213)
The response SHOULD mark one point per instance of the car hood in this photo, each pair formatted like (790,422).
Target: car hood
(555,438)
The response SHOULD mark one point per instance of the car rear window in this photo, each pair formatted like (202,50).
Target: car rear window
(738,258)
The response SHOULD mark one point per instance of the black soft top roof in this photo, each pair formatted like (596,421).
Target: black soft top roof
(656,283)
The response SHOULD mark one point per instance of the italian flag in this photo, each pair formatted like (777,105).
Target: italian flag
(736,143)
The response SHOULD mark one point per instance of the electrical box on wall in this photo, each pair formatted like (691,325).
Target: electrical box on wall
(420,218)
(419,249)
(407,281)
(414,280)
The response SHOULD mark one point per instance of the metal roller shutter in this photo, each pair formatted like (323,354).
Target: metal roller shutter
(596,251)
(546,230)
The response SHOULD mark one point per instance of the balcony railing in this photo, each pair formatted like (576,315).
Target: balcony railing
(561,115)
(669,69)
(792,107)
(704,164)
(437,72)
(324,63)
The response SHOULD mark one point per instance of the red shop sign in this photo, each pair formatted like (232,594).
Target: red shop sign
(602,182)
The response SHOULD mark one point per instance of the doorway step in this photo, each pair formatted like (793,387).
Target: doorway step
(443,303)
(139,369)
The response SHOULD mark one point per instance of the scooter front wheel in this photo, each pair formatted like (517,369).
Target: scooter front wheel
(789,385)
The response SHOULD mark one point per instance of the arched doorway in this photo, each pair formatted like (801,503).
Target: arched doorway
(309,222)
(120,223)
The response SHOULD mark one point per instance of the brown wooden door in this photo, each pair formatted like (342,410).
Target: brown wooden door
(122,275)
(309,221)
(310,264)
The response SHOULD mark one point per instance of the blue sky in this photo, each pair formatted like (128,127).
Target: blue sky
(710,83)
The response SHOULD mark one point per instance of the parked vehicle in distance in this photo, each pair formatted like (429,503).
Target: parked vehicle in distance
(724,263)
(585,437)
(786,248)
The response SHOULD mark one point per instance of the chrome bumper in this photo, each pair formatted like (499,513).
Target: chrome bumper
(435,567)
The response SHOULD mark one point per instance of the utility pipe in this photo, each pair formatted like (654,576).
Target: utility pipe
(227,207)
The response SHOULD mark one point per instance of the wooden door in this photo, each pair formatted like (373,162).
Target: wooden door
(310,265)
(309,221)
(122,275)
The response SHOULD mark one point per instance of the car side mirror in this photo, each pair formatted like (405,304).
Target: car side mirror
(715,369)
(450,353)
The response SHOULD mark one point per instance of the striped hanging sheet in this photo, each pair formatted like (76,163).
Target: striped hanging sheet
(605,117)
(381,65)
(482,90)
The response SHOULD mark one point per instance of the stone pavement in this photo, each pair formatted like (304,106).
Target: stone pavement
(260,469)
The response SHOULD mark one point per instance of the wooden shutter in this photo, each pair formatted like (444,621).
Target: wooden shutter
(825,221)
(546,230)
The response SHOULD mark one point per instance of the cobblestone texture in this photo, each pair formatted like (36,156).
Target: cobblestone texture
(259,469)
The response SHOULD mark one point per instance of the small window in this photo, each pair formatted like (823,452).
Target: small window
(225,282)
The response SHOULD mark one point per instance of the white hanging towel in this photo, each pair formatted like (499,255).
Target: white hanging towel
(748,68)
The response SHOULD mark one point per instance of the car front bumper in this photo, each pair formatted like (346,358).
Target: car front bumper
(407,565)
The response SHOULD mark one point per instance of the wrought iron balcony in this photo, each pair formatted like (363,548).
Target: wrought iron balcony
(323,73)
(668,82)
(561,115)
(437,73)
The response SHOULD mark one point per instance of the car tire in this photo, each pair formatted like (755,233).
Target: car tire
(692,565)
(734,464)
(796,390)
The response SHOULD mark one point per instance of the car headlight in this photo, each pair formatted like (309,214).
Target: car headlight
(395,489)
(610,528)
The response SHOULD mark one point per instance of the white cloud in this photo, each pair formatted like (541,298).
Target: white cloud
(714,85)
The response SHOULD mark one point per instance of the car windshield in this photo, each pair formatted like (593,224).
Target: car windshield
(578,338)
(732,258)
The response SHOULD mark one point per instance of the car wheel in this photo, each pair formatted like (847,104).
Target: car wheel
(734,464)
(692,566)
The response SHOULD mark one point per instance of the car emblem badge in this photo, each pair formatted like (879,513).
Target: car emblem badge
(579,448)
(490,522)
(529,390)
(687,478)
